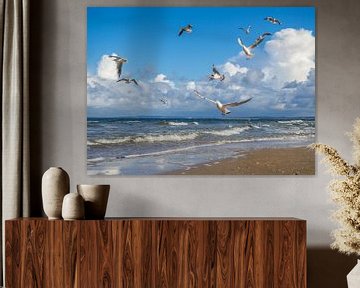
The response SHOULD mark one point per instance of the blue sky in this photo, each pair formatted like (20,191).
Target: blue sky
(157,57)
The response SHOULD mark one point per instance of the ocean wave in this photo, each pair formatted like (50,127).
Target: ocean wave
(290,122)
(98,159)
(169,151)
(228,132)
(171,123)
(148,138)
(132,121)
(91,143)
(218,143)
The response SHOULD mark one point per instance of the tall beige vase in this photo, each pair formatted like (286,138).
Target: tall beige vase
(55,185)
(96,198)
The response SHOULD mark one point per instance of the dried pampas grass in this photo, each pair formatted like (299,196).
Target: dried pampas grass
(345,191)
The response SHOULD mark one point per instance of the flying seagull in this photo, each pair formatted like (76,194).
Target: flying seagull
(247,49)
(222,107)
(216,74)
(164,101)
(187,29)
(259,40)
(246,30)
(272,20)
(119,62)
(128,80)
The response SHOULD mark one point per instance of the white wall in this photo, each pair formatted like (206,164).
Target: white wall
(58,95)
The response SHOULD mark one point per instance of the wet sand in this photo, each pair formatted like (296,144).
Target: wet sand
(282,161)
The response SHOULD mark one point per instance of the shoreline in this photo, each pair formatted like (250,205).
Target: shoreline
(266,161)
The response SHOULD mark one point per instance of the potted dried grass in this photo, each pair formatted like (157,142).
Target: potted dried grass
(345,192)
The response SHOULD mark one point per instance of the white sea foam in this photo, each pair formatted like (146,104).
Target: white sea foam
(90,143)
(174,150)
(113,140)
(290,122)
(219,143)
(165,138)
(98,159)
(171,123)
(149,138)
(229,132)
(132,121)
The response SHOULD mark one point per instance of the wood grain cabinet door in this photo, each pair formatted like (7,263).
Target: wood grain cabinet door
(163,252)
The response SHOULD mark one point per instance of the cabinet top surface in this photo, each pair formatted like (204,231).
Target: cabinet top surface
(174,219)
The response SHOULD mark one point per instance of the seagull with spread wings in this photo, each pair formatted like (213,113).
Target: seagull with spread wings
(259,39)
(128,80)
(246,30)
(187,29)
(119,62)
(164,101)
(247,49)
(216,74)
(272,20)
(222,107)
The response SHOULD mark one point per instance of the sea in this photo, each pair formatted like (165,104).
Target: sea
(156,146)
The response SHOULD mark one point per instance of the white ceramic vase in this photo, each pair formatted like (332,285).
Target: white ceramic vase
(73,207)
(96,198)
(353,278)
(55,185)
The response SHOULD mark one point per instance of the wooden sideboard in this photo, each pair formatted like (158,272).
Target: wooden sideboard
(156,252)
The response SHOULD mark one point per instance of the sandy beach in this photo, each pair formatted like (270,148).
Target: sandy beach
(281,161)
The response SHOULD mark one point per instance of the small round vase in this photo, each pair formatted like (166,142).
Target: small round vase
(96,198)
(73,207)
(55,185)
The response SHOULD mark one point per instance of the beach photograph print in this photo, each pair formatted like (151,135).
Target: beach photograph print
(200,90)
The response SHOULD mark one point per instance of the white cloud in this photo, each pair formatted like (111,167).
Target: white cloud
(107,68)
(279,106)
(191,85)
(235,87)
(162,78)
(232,69)
(291,56)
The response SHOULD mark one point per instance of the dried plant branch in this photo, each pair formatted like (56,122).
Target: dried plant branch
(332,156)
(355,138)
(345,192)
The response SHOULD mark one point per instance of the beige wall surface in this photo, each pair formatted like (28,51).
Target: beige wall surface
(58,121)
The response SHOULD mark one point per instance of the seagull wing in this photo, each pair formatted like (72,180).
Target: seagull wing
(215,70)
(119,68)
(181,31)
(202,97)
(133,80)
(117,58)
(240,42)
(256,43)
(259,40)
(277,21)
(120,80)
(234,104)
